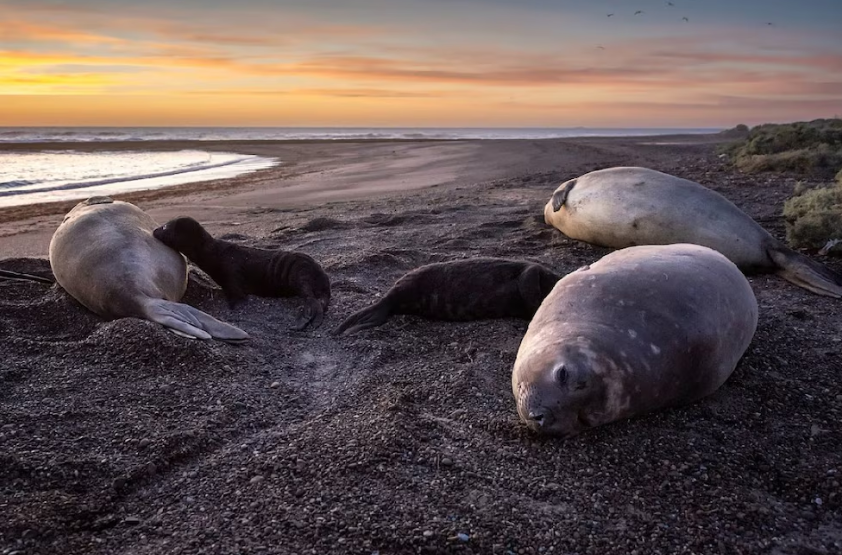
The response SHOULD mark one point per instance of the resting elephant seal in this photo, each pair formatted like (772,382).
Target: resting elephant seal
(461,290)
(104,255)
(622,207)
(242,271)
(641,329)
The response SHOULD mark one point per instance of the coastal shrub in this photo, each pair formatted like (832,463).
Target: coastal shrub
(775,138)
(812,147)
(815,217)
(822,160)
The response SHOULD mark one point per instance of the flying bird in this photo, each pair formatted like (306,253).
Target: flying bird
(770,24)
(670,4)
(601,47)
(609,15)
(685,19)
(638,12)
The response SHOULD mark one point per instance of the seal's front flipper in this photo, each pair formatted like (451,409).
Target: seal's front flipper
(806,273)
(371,317)
(311,313)
(191,321)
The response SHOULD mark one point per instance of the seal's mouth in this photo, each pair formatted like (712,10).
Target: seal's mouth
(546,422)
(582,420)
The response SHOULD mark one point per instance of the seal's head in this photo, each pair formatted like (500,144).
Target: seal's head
(557,390)
(185,235)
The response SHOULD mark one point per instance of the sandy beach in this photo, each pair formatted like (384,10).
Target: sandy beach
(119,437)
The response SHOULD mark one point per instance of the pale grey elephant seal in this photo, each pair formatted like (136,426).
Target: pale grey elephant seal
(626,206)
(641,329)
(104,255)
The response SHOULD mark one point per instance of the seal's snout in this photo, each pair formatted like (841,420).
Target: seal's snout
(541,420)
(533,412)
(537,418)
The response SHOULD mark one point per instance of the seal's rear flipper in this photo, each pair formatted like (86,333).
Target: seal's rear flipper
(806,273)
(371,317)
(191,321)
(181,334)
(17,276)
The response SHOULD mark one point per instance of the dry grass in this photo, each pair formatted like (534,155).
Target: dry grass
(819,160)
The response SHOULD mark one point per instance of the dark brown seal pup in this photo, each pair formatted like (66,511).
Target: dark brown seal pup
(243,271)
(642,329)
(462,290)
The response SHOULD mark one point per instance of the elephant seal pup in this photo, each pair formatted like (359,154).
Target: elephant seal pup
(243,271)
(626,206)
(462,290)
(641,329)
(104,255)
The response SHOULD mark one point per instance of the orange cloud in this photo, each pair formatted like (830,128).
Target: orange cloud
(143,69)
(529,72)
(31,32)
(141,29)
(830,62)
(332,93)
(189,110)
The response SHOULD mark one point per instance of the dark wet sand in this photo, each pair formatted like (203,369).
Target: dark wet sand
(119,437)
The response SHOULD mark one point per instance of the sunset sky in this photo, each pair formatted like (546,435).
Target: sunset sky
(481,63)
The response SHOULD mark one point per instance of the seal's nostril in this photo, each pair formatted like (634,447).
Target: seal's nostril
(537,417)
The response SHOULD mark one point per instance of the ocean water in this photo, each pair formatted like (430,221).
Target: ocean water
(99,134)
(49,176)
(46,176)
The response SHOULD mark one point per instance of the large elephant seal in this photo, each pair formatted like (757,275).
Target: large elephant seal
(475,289)
(242,271)
(627,206)
(104,255)
(641,329)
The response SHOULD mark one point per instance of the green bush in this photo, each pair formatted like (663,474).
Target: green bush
(821,159)
(813,147)
(776,138)
(814,217)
